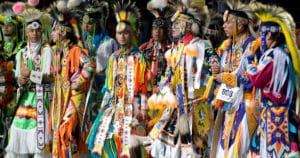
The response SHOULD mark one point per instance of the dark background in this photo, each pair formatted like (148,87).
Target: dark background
(292,6)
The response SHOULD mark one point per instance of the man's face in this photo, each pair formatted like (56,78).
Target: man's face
(34,35)
(9,29)
(228,25)
(56,33)
(178,28)
(89,27)
(157,34)
(124,37)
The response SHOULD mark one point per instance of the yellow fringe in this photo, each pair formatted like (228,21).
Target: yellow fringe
(208,88)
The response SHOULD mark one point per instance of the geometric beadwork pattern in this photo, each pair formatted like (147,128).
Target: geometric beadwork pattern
(277,131)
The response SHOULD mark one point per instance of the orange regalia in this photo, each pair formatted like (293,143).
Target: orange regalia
(71,64)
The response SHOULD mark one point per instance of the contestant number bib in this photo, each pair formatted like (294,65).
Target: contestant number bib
(227,93)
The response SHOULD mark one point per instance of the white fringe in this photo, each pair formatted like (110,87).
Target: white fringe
(24,141)
(280,72)
(18,64)
(47,59)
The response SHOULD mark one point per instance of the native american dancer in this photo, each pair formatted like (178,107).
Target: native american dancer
(234,96)
(184,122)
(122,117)
(29,133)
(100,47)
(275,75)
(72,69)
(154,51)
(10,45)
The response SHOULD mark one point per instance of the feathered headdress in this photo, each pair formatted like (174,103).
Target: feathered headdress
(276,14)
(96,11)
(241,13)
(162,10)
(31,15)
(127,13)
(67,19)
(195,12)
(241,10)
(34,18)
(7,15)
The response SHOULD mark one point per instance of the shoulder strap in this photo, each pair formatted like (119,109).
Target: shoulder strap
(249,39)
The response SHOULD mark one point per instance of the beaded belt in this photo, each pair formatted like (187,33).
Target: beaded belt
(32,88)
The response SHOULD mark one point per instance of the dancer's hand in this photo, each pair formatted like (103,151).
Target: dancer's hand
(218,77)
(215,69)
(25,73)
(22,80)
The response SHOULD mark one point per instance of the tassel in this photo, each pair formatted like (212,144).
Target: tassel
(208,88)
(183,125)
(136,146)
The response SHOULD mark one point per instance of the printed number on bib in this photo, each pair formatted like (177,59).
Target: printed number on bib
(227,93)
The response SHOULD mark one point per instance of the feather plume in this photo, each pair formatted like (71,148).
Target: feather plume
(31,14)
(161,8)
(276,14)
(241,7)
(6,9)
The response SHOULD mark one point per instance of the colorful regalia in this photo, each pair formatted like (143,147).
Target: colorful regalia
(184,122)
(234,96)
(100,47)
(72,69)
(11,45)
(68,104)
(154,49)
(28,133)
(121,120)
(154,54)
(276,75)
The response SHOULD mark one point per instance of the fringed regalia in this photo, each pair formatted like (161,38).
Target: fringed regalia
(276,75)
(120,116)
(29,127)
(71,65)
